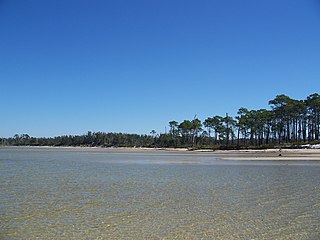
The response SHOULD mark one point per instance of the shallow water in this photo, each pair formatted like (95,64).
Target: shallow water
(88,194)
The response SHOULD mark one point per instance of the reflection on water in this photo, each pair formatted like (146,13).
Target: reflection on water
(58,194)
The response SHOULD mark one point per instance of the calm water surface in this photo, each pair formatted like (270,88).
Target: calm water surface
(94,194)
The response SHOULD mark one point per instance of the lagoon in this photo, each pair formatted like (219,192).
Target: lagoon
(74,193)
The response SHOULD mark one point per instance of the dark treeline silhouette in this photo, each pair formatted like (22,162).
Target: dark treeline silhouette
(91,139)
(289,122)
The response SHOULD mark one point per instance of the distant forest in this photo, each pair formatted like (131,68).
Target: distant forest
(288,123)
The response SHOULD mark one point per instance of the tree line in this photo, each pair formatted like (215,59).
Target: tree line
(288,122)
(91,139)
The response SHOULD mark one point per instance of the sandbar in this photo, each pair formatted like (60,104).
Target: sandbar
(241,155)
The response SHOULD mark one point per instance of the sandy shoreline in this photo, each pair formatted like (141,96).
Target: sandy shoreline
(239,155)
(276,155)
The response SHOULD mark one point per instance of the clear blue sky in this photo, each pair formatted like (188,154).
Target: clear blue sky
(67,67)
